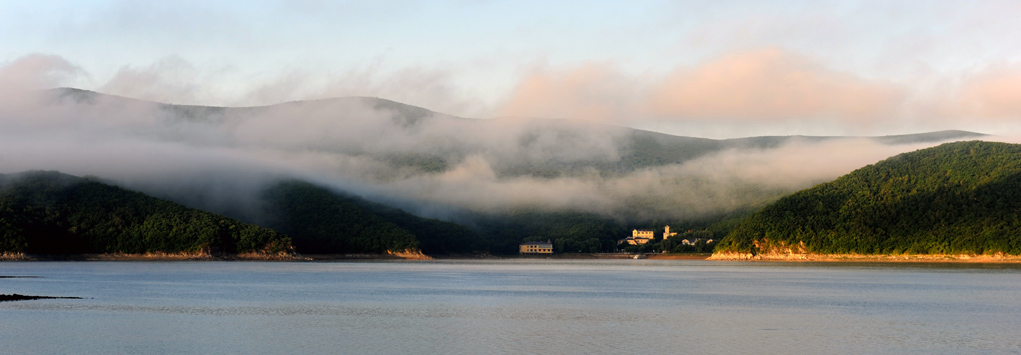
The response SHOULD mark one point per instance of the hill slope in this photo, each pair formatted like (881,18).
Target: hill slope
(54,213)
(322,221)
(956,198)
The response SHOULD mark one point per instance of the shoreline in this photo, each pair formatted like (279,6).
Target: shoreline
(150,257)
(417,256)
(333,257)
(902,258)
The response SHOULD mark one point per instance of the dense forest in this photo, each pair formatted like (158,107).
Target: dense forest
(322,221)
(54,213)
(956,198)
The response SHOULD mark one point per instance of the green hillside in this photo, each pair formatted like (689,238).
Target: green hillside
(434,236)
(322,221)
(956,198)
(54,213)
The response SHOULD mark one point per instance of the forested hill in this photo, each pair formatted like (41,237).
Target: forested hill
(323,221)
(54,213)
(956,198)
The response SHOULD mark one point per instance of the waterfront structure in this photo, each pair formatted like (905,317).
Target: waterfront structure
(667,234)
(642,236)
(536,248)
(639,237)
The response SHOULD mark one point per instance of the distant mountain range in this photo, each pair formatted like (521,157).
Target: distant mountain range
(633,149)
(298,168)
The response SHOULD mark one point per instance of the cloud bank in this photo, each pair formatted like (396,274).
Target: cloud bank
(771,84)
(433,164)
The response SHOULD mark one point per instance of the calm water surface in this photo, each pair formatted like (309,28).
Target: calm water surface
(510,307)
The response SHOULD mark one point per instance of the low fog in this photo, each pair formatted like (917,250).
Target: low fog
(429,163)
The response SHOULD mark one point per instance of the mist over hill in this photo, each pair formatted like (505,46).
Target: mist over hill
(428,163)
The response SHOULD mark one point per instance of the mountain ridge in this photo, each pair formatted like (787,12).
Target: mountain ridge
(535,148)
(526,176)
(417,112)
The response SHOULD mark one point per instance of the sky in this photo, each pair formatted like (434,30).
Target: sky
(719,69)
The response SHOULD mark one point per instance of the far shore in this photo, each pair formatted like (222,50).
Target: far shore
(148,257)
(997,258)
(330,257)
(563,256)
(901,258)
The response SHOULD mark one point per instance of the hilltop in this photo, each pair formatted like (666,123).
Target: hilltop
(953,199)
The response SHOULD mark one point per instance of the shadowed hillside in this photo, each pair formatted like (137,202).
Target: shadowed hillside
(54,213)
(322,221)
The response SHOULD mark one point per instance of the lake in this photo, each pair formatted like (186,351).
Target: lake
(510,307)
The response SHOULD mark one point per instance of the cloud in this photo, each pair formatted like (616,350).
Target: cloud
(995,93)
(589,92)
(433,163)
(771,84)
(475,186)
(987,100)
(37,71)
(430,87)
(170,80)
(744,92)
(766,85)
(430,163)
(714,184)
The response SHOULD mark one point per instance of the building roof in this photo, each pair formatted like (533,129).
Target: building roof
(537,243)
